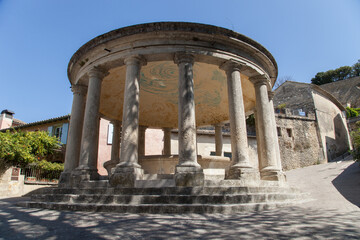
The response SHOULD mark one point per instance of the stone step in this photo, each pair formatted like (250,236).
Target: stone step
(157,176)
(157,208)
(168,190)
(158,183)
(165,199)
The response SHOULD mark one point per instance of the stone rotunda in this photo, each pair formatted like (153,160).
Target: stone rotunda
(170,75)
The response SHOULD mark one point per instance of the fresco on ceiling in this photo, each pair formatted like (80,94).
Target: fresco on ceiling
(161,79)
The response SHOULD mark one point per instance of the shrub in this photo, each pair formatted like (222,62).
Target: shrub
(352,112)
(355,135)
(18,148)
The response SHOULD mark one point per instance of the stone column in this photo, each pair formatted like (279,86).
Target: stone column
(167,141)
(274,127)
(240,166)
(218,139)
(75,132)
(268,165)
(115,148)
(87,169)
(188,172)
(141,150)
(128,170)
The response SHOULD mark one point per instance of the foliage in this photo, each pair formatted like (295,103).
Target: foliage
(352,112)
(356,69)
(21,149)
(250,121)
(338,74)
(355,135)
(281,106)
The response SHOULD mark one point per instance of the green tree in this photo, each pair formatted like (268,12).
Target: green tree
(338,74)
(323,77)
(356,69)
(18,148)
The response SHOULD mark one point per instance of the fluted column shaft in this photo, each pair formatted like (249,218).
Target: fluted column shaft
(141,149)
(239,142)
(167,141)
(265,132)
(73,145)
(115,148)
(188,172)
(274,128)
(130,122)
(186,123)
(89,142)
(128,170)
(218,140)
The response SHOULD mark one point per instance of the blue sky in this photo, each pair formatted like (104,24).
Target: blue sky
(38,38)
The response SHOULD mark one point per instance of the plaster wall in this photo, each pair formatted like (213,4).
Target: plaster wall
(5,122)
(44,127)
(333,129)
(104,151)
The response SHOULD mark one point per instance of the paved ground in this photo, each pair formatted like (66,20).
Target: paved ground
(334,214)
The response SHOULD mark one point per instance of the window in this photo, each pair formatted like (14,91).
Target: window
(110,133)
(278,131)
(289,132)
(59,131)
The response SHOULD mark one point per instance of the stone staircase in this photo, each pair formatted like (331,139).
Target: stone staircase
(161,196)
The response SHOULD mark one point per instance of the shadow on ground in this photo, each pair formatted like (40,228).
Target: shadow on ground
(348,183)
(284,223)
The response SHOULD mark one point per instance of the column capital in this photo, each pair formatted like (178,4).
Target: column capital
(79,89)
(260,80)
(135,59)
(232,65)
(183,57)
(271,95)
(98,72)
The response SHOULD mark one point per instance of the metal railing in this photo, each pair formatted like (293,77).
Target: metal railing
(38,176)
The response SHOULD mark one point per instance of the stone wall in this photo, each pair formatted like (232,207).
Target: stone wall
(298,141)
(294,95)
(16,188)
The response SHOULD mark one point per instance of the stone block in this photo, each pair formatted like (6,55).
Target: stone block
(65,180)
(82,175)
(273,175)
(126,176)
(248,176)
(189,176)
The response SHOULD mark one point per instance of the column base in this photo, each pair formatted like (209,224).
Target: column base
(272,175)
(83,175)
(189,176)
(65,180)
(110,165)
(249,176)
(125,176)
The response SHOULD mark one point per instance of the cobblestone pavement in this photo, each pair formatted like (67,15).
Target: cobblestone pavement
(334,214)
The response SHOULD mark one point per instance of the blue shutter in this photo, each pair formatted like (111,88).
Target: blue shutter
(50,129)
(64,133)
